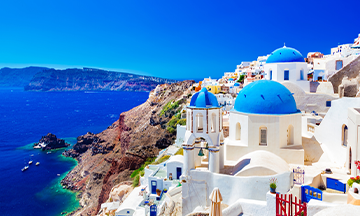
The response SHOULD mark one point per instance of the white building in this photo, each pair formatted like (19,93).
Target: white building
(287,64)
(265,117)
(332,133)
(203,120)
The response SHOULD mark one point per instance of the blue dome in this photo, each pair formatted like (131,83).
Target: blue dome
(236,84)
(285,54)
(231,79)
(204,99)
(265,97)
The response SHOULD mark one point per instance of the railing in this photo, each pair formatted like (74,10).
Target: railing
(285,206)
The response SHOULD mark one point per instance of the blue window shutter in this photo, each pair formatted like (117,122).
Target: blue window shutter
(286,75)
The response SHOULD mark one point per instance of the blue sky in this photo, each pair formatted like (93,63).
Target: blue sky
(173,39)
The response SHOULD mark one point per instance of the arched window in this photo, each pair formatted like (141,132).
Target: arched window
(238,131)
(301,74)
(344,135)
(213,123)
(290,135)
(270,74)
(263,136)
(199,123)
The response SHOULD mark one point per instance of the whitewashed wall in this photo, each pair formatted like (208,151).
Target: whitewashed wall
(198,188)
(329,131)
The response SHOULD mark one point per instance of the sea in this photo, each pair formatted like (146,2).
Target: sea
(27,116)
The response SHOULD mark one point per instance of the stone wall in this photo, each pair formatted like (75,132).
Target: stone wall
(351,71)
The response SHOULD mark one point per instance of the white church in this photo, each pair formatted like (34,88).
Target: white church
(287,65)
(265,141)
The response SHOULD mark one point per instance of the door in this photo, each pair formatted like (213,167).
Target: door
(178,172)
(153,210)
(308,193)
(153,187)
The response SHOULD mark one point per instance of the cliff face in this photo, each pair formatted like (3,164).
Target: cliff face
(108,158)
(18,77)
(92,79)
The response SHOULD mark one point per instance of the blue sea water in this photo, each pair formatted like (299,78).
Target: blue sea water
(24,118)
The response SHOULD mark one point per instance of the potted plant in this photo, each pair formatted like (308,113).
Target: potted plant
(356,179)
(273,186)
(158,192)
(165,190)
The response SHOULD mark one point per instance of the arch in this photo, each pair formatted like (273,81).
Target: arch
(290,135)
(199,123)
(263,135)
(238,131)
(344,135)
(213,123)
(193,136)
(302,74)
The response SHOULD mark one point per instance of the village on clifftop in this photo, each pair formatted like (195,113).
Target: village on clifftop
(278,136)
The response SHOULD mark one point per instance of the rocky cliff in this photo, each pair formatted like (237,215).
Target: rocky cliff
(50,141)
(88,79)
(351,71)
(108,158)
(18,77)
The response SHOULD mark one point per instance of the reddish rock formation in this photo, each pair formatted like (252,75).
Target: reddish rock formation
(108,158)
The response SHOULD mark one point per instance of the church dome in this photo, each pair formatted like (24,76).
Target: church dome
(265,97)
(285,54)
(204,99)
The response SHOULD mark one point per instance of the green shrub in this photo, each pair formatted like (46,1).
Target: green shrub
(182,122)
(170,130)
(135,182)
(241,79)
(173,121)
(141,169)
(170,106)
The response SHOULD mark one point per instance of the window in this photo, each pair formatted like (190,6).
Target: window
(286,75)
(328,103)
(301,74)
(339,64)
(263,136)
(290,135)
(238,131)
(199,123)
(344,133)
(271,75)
(213,123)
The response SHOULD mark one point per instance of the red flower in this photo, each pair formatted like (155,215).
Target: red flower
(352,178)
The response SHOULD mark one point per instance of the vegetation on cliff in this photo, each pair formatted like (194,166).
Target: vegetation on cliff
(122,151)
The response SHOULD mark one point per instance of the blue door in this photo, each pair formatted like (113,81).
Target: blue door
(308,193)
(178,172)
(153,187)
(271,75)
(153,210)
(286,75)
(335,185)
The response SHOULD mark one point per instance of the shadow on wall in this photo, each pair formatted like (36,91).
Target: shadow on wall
(238,167)
(312,150)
